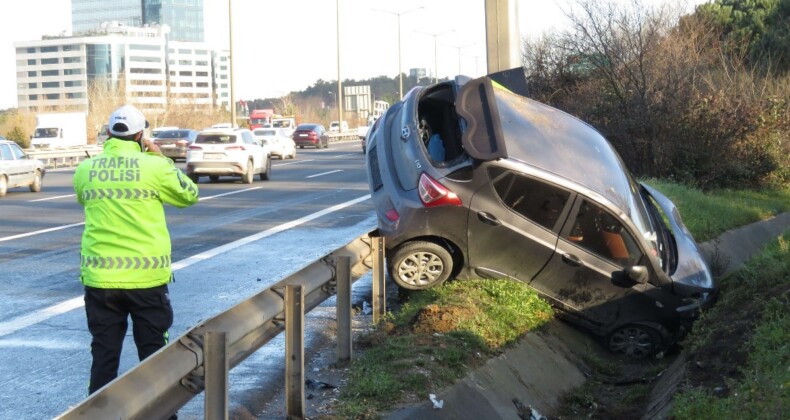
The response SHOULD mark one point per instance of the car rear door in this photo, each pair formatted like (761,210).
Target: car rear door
(514,221)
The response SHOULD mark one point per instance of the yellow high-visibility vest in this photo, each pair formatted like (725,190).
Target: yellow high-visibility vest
(126,244)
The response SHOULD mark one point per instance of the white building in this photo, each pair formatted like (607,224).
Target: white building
(58,73)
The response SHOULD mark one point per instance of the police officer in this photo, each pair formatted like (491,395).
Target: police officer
(125,256)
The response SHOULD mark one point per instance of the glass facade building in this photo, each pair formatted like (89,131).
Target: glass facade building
(88,15)
(184,17)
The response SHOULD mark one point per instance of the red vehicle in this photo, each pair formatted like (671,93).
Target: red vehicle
(313,135)
(261,118)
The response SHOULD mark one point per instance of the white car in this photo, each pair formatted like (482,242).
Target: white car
(227,152)
(280,144)
(17,169)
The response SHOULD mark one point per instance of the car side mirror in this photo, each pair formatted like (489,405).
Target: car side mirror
(630,276)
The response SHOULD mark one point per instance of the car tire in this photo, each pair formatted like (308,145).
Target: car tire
(249,174)
(420,265)
(194,178)
(213,178)
(35,186)
(265,174)
(634,341)
(3,185)
(293,154)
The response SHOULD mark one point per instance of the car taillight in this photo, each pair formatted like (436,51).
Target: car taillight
(433,194)
(235,148)
(193,147)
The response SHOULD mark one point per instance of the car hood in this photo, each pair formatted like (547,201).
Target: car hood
(692,274)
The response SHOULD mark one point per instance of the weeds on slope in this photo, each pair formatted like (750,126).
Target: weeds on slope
(434,339)
(740,351)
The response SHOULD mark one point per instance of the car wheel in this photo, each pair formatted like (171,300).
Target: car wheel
(3,185)
(301,147)
(249,174)
(36,185)
(194,178)
(634,341)
(420,265)
(293,154)
(213,178)
(265,174)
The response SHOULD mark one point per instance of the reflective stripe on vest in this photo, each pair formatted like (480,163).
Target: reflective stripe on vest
(119,193)
(125,263)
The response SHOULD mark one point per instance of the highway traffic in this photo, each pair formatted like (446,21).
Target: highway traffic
(237,240)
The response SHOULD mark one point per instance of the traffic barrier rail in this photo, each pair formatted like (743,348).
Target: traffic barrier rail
(167,380)
(56,158)
(344,136)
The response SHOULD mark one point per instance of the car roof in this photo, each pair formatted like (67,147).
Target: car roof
(544,137)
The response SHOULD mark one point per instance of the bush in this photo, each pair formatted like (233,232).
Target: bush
(18,135)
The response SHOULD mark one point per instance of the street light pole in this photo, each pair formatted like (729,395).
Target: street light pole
(339,83)
(459,47)
(435,51)
(232,66)
(400,72)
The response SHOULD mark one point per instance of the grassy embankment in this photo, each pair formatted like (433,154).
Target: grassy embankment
(438,335)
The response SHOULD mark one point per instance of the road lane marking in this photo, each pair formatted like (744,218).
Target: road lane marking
(229,193)
(291,163)
(324,173)
(38,232)
(52,198)
(41,315)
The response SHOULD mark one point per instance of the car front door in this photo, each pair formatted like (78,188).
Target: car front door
(586,276)
(17,167)
(514,221)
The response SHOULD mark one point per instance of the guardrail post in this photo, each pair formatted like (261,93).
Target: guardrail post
(294,351)
(379,292)
(215,361)
(343,308)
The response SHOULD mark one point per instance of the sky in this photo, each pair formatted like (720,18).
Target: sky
(283,46)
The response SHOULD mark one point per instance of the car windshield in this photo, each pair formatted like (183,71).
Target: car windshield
(215,139)
(550,139)
(174,134)
(46,132)
(280,124)
(307,127)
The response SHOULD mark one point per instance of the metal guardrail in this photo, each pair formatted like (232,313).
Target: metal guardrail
(345,136)
(171,377)
(58,158)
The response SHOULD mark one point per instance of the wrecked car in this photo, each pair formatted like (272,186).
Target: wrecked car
(469,179)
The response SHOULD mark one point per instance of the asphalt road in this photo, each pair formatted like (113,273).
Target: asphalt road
(236,241)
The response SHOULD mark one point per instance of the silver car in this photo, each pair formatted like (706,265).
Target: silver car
(17,169)
(471,179)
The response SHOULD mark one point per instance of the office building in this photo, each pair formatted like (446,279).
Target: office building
(139,63)
(184,17)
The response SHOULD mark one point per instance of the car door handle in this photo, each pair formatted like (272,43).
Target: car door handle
(571,259)
(488,218)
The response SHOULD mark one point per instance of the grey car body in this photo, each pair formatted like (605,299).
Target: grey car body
(469,179)
(17,169)
(175,143)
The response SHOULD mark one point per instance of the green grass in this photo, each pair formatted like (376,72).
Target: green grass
(709,214)
(435,338)
(762,390)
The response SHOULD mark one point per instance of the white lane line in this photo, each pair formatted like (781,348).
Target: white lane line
(325,173)
(228,193)
(38,232)
(52,198)
(291,163)
(41,315)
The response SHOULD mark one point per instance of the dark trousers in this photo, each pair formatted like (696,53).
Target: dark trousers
(108,311)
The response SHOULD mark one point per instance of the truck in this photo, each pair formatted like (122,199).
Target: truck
(261,118)
(60,130)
